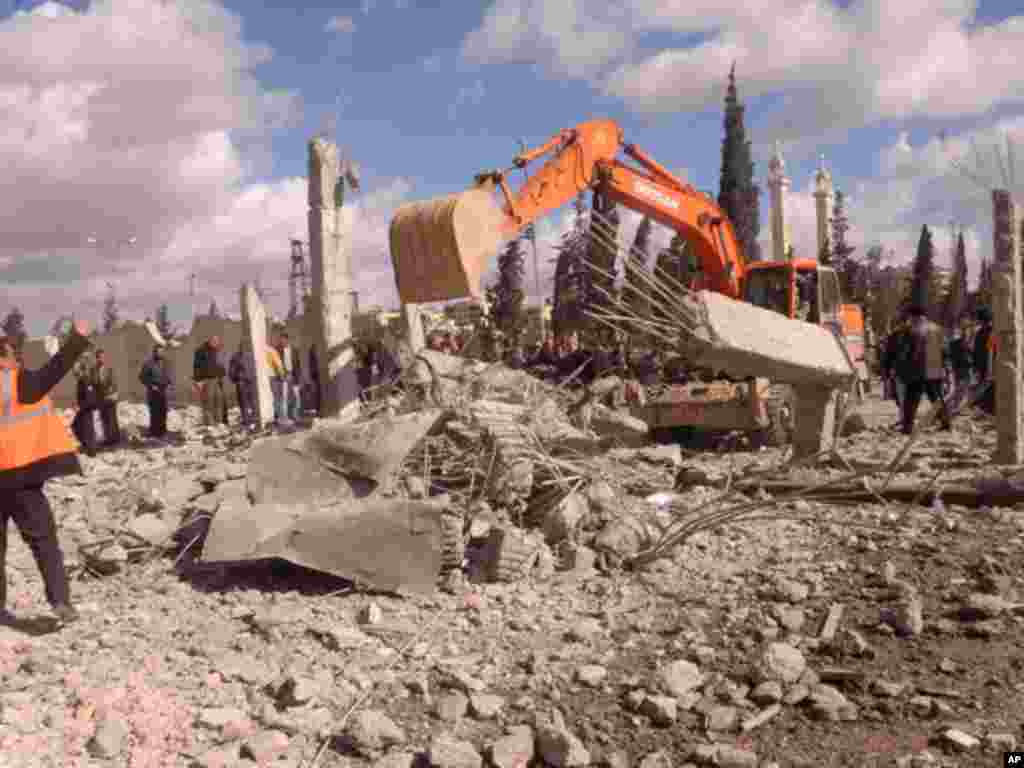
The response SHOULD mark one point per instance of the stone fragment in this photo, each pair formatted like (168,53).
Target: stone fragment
(562,519)
(265,746)
(451,707)
(515,749)
(370,614)
(297,691)
(560,748)
(780,662)
(397,760)
(759,719)
(448,752)
(680,677)
(151,528)
(721,718)
(828,703)
(485,706)
(960,741)
(218,717)
(657,759)
(979,606)
(907,618)
(591,675)
(887,688)
(109,738)
(371,731)
(1001,742)
(663,710)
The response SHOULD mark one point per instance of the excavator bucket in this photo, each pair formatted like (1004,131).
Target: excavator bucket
(440,248)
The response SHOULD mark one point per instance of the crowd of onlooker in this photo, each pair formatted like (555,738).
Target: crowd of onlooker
(919,358)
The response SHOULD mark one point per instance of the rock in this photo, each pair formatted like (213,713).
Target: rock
(960,741)
(451,707)
(584,630)
(397,760)
(562,519)
(560,748)
(485,706)
(371,731)
(108,740)
(370,614)
(907,619)
(780,662)
(680,677)
(767,693)
(591,675)
(218,717)
(657,760)
(887,688)
(578,558)
(265,746)
(1001,742)
(447,752)
(724,756)
(762,717)
(513,750)
(663,710)
(791,591)
(790,618)
(295,692)
(623,537)
(602,497)
(151,528)
(827,703)
(980,606)
(721,719)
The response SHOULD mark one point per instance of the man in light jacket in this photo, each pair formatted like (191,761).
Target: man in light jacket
(925,370)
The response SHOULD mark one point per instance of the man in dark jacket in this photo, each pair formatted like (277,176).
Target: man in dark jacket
(244,378)
(923,373)
(156,380)
(208,381)
(84,424)
(980,353)
(35,446)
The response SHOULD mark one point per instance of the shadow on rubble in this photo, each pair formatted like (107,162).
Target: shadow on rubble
(271,575)
(33,626)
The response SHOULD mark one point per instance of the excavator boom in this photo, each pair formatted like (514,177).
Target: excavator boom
(440,248)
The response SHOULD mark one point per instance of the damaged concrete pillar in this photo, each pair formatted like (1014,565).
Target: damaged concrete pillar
(815,420)
(1007,325)
(254,347)
(412,318)
(332,281)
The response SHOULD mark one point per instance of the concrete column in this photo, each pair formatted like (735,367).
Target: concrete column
(254,343)
(1007,325)
(815,420)
(332,283)
(413,321)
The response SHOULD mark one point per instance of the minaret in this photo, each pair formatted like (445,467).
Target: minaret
(823,196)
(777,186)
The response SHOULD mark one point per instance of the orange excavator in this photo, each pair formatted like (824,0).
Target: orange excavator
(440,249)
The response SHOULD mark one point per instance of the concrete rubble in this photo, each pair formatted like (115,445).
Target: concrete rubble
(443,584)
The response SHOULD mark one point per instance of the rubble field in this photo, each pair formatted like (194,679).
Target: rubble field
(804,632)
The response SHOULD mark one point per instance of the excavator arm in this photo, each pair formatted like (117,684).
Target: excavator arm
(460,229)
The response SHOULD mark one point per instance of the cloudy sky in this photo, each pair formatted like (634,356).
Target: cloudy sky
(181,125)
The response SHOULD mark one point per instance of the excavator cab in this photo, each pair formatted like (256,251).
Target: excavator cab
(801,289)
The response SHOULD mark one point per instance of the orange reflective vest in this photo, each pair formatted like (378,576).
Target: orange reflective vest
(28,433)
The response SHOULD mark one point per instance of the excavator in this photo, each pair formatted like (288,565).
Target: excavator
(441,247)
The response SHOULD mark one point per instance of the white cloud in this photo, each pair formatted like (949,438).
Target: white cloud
(835,68)
(340,24)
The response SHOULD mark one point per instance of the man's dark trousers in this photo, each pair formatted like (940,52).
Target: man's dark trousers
(156,400)
(30,510)
(84,428)
(915,391)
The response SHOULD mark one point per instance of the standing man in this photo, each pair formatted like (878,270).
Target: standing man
(960,362)
(35,446)
(106,393)
(157,381)
(244,378)
(924,369)
(292,362)
(84,424)
(208,380)
(982,346)
(278,377)
(314,377)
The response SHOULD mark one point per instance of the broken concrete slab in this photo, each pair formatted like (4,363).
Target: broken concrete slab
(388,544)
(373,450)
(279,474)
(254,348)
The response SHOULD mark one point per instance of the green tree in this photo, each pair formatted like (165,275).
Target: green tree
(602,252)
(923,271)
(847,268)
(738,195)
(956,300)
(163,321)
(507,297)
(14,326)
(570,272)
(984,297)
(674,263)
(635,289)
(111,315)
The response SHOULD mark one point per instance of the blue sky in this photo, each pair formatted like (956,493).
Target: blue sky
(185,124)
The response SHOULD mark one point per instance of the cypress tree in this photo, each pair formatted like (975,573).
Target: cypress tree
(956,299)
(14,326)
(738,195)
(570,271)
(637,260)
(923,269)
(846,267)
(111,315)
(508,296)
